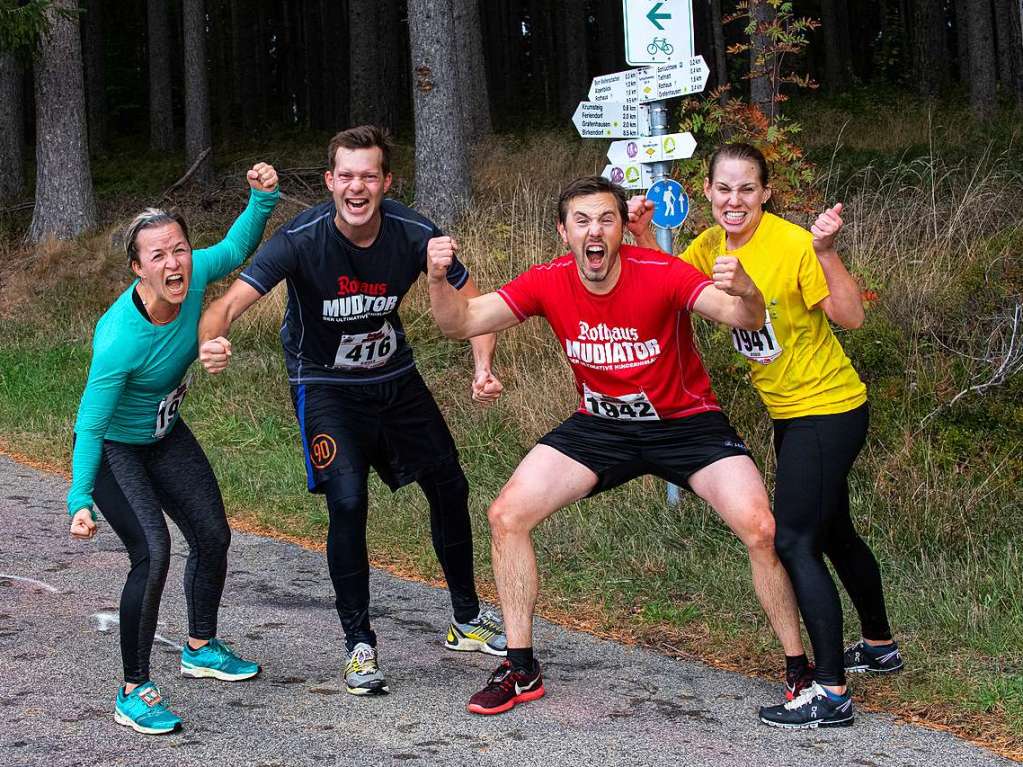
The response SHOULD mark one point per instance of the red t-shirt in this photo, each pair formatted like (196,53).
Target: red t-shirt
(632,349)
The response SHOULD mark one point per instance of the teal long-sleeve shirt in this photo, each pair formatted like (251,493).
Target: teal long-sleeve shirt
(137,376)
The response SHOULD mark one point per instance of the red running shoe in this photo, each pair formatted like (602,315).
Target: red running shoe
(506,688)
(796,683)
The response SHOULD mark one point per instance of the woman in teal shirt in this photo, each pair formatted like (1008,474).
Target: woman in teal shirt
(136,459)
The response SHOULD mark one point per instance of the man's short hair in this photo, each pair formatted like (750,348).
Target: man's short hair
(587,185)
(362,137)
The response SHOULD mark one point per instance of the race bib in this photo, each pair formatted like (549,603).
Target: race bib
(758,345)
(627,407)
(168,407)
(366,350)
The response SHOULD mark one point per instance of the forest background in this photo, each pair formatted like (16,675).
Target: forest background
(908,111)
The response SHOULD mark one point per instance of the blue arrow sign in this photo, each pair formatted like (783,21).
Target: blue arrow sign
(655,17)
(671,205)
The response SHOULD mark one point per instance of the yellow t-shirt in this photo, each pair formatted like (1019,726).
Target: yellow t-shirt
(796,363)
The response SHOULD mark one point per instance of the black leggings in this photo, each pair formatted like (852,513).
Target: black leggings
(135,485)
(811,509)
(447,491)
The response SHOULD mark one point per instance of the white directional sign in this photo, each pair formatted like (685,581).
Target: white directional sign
(610,119)
(658,31)
(674,146)
(636,86)
(630,175)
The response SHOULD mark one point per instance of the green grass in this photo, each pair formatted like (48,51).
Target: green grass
(936,492)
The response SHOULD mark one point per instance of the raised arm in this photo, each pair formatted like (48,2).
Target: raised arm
(215,324)
(459,315)
(734,299)
(245,233)
(844,305)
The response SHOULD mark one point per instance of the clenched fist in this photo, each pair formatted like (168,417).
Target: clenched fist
(440,254)
(729,277)
(215,354)
(641,212)
(82,526)
(262,177)
(485,387)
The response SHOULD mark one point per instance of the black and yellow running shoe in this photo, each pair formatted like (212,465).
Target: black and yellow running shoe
(484,633)
(362,674)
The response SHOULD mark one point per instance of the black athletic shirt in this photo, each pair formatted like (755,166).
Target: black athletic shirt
(342,323)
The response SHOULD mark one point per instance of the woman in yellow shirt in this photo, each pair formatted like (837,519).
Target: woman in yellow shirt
(818,406)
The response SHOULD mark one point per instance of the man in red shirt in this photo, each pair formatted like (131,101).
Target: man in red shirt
(646,407)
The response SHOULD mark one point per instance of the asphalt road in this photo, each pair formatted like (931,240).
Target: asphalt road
(606,704)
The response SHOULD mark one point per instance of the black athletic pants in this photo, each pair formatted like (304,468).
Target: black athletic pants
(135,485)
(396,428)
(811,509)
(447,491)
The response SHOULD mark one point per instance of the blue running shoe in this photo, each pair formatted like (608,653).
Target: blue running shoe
(145,711)
(215,659)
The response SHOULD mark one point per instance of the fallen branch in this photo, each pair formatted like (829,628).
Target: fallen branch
(188,173)
(1004,355)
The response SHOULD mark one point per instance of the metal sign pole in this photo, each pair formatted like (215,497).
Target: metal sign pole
(665,237)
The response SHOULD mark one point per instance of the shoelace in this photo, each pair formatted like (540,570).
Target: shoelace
(488,619)
(366,659)
(152,693)
(500,679)
(807,695)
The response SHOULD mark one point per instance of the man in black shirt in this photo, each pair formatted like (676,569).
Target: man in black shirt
(359,399)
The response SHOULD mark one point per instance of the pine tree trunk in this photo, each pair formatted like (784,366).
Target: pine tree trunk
(542,62)
(12,129)
(762,84)
(246,50)
(64,205)
(720,65)
(198,132)
(95,82)
(161,112)
(334,20)
(963,40)
(472,76)
(442,168)
(612,35)
(983,66)
(929,52)
(836,63)
(374,38)
(574,81)
(1010,47)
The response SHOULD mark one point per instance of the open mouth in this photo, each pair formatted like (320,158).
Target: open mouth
(735,216)
(357,204)
(595,253)
(175,284)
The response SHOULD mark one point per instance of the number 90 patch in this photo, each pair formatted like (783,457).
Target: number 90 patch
(322,451)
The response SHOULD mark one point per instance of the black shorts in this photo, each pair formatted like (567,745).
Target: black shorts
(673,449)
(394,427)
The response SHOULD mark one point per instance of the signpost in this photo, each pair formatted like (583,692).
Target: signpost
(657,31)
(611,119)
(629,175)
(637,86)
(672,146)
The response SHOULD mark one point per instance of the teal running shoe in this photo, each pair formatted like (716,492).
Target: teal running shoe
(145,711)
(215,659)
